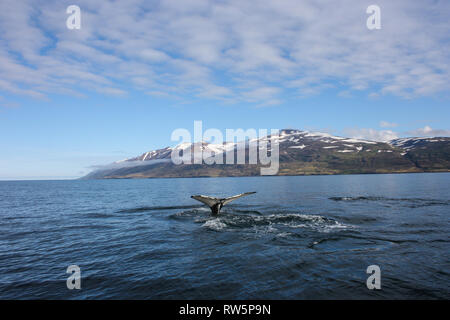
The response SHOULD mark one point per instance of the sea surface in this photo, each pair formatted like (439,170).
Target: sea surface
(306,237)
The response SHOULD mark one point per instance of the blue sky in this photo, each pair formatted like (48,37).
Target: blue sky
(137,70)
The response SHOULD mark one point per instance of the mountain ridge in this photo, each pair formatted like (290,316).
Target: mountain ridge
(300,153)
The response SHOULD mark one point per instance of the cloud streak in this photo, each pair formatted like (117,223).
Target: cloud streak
(427,131)
(371,134)
(386,124)
(386,135)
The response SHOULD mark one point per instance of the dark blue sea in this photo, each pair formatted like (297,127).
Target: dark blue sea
(305,237)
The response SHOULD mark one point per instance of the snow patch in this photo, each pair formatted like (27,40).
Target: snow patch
(359,141)
(298,147)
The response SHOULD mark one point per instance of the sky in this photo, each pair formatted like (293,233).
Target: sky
(72,99)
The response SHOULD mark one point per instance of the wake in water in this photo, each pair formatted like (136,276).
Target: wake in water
(155,208)
(254,221)
(405,202)
(274,222)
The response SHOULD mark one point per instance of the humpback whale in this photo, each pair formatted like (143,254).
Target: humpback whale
(215,204)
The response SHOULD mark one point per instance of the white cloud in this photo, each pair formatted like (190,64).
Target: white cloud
(257,94)
(230,50)
(386,135)
(371,134)
(112,91)
(386,124)
(427,131)
(127,164)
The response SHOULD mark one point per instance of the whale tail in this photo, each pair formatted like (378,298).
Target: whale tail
(215,204)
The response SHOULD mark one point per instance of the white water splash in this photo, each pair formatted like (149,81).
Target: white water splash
(214,224)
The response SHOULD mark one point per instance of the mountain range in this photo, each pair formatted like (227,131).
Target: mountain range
(300,153)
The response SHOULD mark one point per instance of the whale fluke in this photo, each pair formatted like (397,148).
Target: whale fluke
(216,204)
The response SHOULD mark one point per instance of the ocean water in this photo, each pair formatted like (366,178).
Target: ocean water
(307,237)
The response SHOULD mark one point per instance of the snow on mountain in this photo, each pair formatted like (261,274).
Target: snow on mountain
(410,143)
(291,140)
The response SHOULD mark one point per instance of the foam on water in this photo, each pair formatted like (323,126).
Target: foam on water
(406,202)
(271,223)
(214,224)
